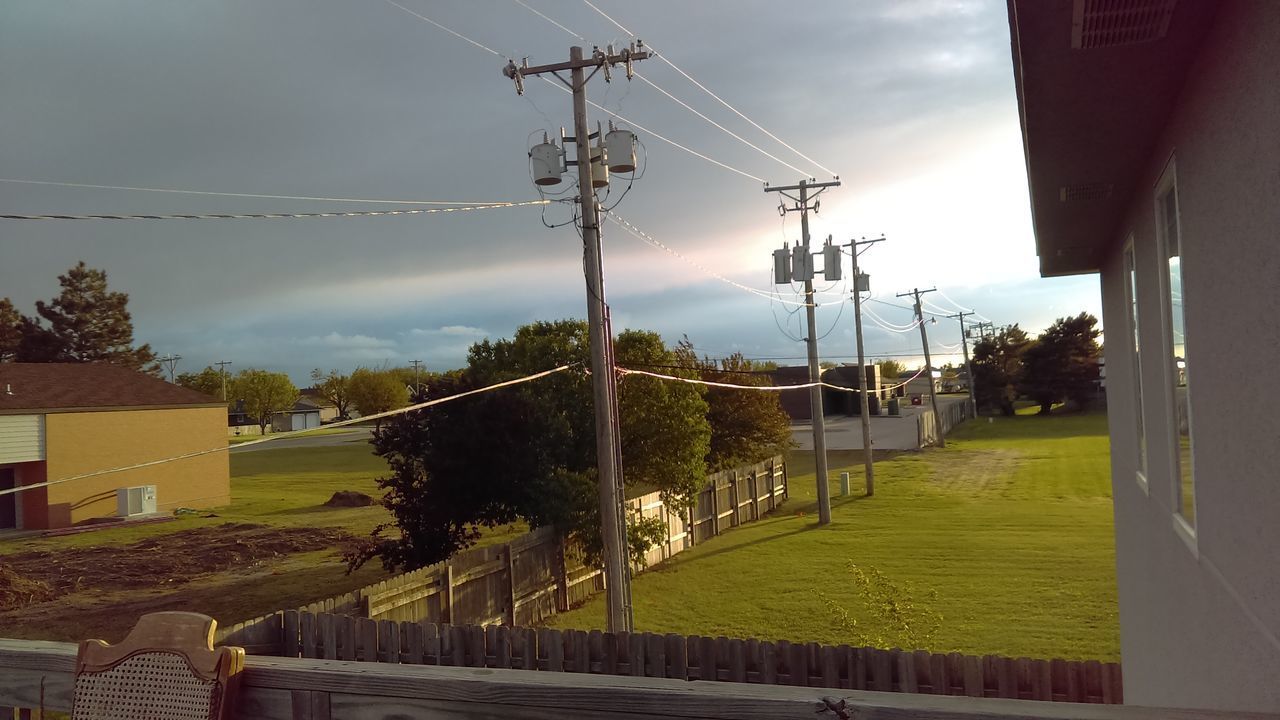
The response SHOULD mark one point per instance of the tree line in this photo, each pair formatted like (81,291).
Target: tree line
(1062,364)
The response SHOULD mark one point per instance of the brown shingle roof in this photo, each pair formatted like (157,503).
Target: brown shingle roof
(62,386)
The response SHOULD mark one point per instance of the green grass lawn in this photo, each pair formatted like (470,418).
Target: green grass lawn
(1010,525)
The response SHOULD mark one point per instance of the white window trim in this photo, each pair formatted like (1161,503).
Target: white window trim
(1129,255)
(1169,182)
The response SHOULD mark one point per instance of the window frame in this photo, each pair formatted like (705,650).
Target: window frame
(1165,187)
(1133,325)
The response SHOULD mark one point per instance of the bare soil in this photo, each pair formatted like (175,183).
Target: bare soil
(169,560)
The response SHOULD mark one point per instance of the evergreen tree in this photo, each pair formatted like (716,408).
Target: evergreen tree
(86,323)
(1062,364)
(10,330)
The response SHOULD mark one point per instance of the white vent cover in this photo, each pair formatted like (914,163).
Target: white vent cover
(1112,23)
(1084,191)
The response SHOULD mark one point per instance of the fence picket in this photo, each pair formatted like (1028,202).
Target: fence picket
(368,640)
(677,656)
(768,663)
(308,628)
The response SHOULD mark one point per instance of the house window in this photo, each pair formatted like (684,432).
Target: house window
(1170,236)
(1131,297)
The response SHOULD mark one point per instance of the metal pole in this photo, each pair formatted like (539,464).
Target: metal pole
(815,375)
(867,459)
(602,371)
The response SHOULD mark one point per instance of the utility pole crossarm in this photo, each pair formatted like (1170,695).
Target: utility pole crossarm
(809,185)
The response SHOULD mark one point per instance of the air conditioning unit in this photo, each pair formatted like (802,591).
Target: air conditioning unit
(140,500)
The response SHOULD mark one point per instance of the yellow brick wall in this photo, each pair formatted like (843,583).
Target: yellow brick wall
(80,442)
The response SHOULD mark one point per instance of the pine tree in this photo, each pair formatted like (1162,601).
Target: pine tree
(10,330)
(86,323)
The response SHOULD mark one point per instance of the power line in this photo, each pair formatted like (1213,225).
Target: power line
(893,305)
(553,83)
(522,4)
(654,242)
(454,33)
(294,433)
(677,100)
(366,201)
(707,90)
(663,138)
(275,216)
(733,134)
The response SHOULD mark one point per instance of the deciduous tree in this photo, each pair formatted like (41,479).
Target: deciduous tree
(334,387)
(891,369)
(263,394)
(747,426)
(207,381)
(528,451)
(997,365)
(376,391)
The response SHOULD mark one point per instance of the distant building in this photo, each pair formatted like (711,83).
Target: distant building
(794,402)
(60,420)
(303,415)
(1152,143)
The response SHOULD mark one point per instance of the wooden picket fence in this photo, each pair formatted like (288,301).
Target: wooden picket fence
(339,637)
(529,579)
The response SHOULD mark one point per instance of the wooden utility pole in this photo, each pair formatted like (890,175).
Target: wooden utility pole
(222,368)
(815,371)
(867,460)
(928,363)
(171,362)
(968,368)
(417,385)
(603,375)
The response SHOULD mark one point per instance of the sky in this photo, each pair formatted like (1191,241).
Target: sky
(910,102)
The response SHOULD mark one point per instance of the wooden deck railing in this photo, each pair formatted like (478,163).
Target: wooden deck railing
(37,674)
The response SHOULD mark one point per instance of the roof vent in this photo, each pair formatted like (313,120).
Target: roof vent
(1085,191)
(1113,23)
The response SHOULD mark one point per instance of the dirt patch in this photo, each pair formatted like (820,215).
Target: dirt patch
(349,498)
(17,591)
(173,559)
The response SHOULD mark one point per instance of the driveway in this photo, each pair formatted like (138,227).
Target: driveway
(887,433)
(304,441)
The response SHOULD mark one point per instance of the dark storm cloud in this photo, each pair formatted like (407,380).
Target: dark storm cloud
(363,100)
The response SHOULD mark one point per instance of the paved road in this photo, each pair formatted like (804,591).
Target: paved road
(354,435)
(887,433)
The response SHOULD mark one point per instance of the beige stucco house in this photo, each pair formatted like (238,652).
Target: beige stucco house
(1152,139)
(62,420)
